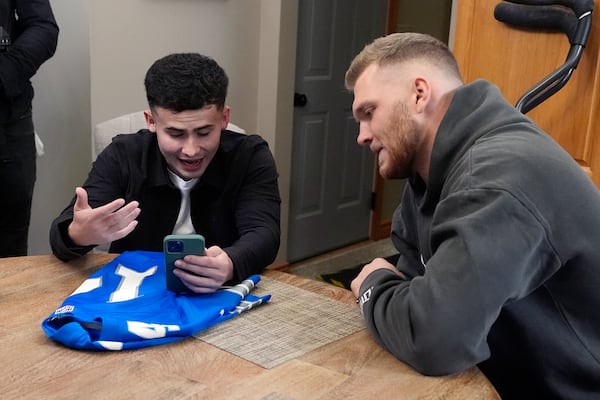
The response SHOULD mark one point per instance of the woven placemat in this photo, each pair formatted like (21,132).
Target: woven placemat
(294,322)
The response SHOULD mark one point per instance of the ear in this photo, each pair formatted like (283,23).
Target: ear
(226,114)
(422,93)
(150,123)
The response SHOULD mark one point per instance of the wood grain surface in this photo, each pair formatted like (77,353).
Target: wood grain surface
(37,368)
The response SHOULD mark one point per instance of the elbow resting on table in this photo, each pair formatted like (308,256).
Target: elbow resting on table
(433,360)
(431,350)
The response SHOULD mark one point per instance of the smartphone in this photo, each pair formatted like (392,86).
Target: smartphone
(176,247)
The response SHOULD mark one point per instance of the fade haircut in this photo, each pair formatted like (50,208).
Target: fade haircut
(397,48)
(185,81)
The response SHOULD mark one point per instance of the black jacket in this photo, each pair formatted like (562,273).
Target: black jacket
(34,37)
(235,204)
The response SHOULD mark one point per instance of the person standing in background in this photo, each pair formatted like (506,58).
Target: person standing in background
(28,37)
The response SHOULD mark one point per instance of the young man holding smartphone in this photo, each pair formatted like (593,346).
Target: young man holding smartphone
(184,174)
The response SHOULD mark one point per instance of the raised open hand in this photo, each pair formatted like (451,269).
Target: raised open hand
(103,224)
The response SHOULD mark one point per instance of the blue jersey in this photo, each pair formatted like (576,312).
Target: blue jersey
(125,305)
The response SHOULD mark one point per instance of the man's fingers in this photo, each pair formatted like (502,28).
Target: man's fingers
(197,283)
(115,205)
(81,201)
(129,211)
(213,251)
(121,219)
(125,231)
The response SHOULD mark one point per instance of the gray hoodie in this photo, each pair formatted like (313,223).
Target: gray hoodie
(502,253)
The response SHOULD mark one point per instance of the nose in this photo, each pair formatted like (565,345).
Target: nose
(191,146)
(364,135)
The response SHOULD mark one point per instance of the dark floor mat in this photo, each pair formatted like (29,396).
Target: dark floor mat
(343,277)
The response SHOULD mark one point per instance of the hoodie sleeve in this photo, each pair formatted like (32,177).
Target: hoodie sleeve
(438,322)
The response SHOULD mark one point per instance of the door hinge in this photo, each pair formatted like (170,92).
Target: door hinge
(373,198)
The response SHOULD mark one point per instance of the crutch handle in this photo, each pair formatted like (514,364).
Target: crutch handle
(573,17)
(579,7)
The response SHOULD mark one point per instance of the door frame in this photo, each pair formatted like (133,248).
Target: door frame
(380,227)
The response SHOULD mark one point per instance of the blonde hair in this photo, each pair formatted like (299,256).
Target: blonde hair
(397,48)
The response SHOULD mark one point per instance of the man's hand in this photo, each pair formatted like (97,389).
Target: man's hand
(378,263)
(205,274)
(103,224)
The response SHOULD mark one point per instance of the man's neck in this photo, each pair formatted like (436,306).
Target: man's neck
(422,161)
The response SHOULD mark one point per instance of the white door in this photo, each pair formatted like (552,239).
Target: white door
(330,198)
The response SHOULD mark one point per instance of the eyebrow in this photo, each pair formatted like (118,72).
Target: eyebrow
(172,128)
(203,127)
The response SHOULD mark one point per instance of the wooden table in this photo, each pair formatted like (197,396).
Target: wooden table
(34,367)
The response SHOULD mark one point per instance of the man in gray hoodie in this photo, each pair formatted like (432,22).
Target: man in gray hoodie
(498,229)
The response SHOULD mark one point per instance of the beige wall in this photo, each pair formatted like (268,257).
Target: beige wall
(105,48)
(127,36)
(61,114)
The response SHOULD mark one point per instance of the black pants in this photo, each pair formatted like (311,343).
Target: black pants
(17,178)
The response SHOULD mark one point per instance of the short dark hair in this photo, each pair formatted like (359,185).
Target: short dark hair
(185,81)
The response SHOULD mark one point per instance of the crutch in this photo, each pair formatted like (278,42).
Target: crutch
(572,17)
